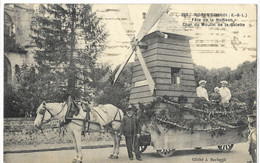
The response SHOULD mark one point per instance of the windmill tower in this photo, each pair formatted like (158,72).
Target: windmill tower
(163,63)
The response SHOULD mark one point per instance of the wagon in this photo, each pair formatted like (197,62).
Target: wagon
(166,140)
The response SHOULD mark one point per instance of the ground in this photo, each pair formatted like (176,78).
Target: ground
(239,154)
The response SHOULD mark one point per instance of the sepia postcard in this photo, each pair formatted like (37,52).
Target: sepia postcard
(121,82)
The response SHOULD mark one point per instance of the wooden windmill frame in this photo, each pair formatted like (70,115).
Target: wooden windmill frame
(158,55)
(154,13)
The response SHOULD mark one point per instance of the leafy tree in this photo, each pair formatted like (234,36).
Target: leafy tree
(244,82)
(25,96)
(68,38)
(30,89)
(11,105)
(118,93)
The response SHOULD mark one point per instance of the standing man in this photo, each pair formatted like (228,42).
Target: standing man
(224,92)
(131,130)
(252,137)
(201,91)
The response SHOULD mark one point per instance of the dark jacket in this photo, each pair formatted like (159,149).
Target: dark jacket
(130,126)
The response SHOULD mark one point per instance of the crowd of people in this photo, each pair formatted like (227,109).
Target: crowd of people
(220,95)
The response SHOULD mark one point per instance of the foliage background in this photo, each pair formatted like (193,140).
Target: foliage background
(242,81)
(32,89)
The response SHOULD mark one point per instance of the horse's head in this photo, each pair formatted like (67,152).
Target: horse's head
(43,115)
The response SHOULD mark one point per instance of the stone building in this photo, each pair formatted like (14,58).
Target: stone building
(18,49)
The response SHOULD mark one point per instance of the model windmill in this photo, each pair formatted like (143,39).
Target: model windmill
(163,63)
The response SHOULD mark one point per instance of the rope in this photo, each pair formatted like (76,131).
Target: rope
(210,130)
(184,127)
(198,110)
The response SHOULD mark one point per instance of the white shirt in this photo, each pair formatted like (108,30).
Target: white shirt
(202,92)
(225,94)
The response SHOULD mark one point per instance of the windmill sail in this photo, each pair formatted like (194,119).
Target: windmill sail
(154,13)
(123,65)
(124,16)
(146,71)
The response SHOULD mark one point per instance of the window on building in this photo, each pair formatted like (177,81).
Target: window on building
(9,29)
(175,75)
(7,71)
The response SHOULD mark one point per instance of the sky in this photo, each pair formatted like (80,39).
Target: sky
(226,46)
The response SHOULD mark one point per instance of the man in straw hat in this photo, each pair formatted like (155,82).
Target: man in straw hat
(224,92)
(131,130)
(201,91)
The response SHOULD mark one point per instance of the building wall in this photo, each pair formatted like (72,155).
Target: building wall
(21,17)
(19,59)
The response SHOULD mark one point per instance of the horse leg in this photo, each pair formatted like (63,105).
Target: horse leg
(75,146)
(114,141)
(77,134)
(116,137)
(115,151)
(117,142)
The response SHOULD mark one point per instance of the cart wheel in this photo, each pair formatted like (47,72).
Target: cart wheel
(166,152)
(225,148)
(142,148)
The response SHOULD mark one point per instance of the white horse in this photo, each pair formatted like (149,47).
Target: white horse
(50,111)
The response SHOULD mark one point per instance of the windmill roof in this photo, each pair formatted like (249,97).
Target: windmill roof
(162,34)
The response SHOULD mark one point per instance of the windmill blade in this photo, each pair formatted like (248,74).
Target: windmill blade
(125,20)
(130,52)
(145,69)
(124,17)
(154,13)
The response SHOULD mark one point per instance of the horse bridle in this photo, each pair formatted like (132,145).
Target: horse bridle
(42,111)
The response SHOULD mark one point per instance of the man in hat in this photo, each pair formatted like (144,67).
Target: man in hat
(252,137)
(201,91)
(224,92)
(131,130)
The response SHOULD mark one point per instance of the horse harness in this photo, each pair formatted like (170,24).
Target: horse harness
(114,119)
(42,111)
(87,119)
(120,116)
